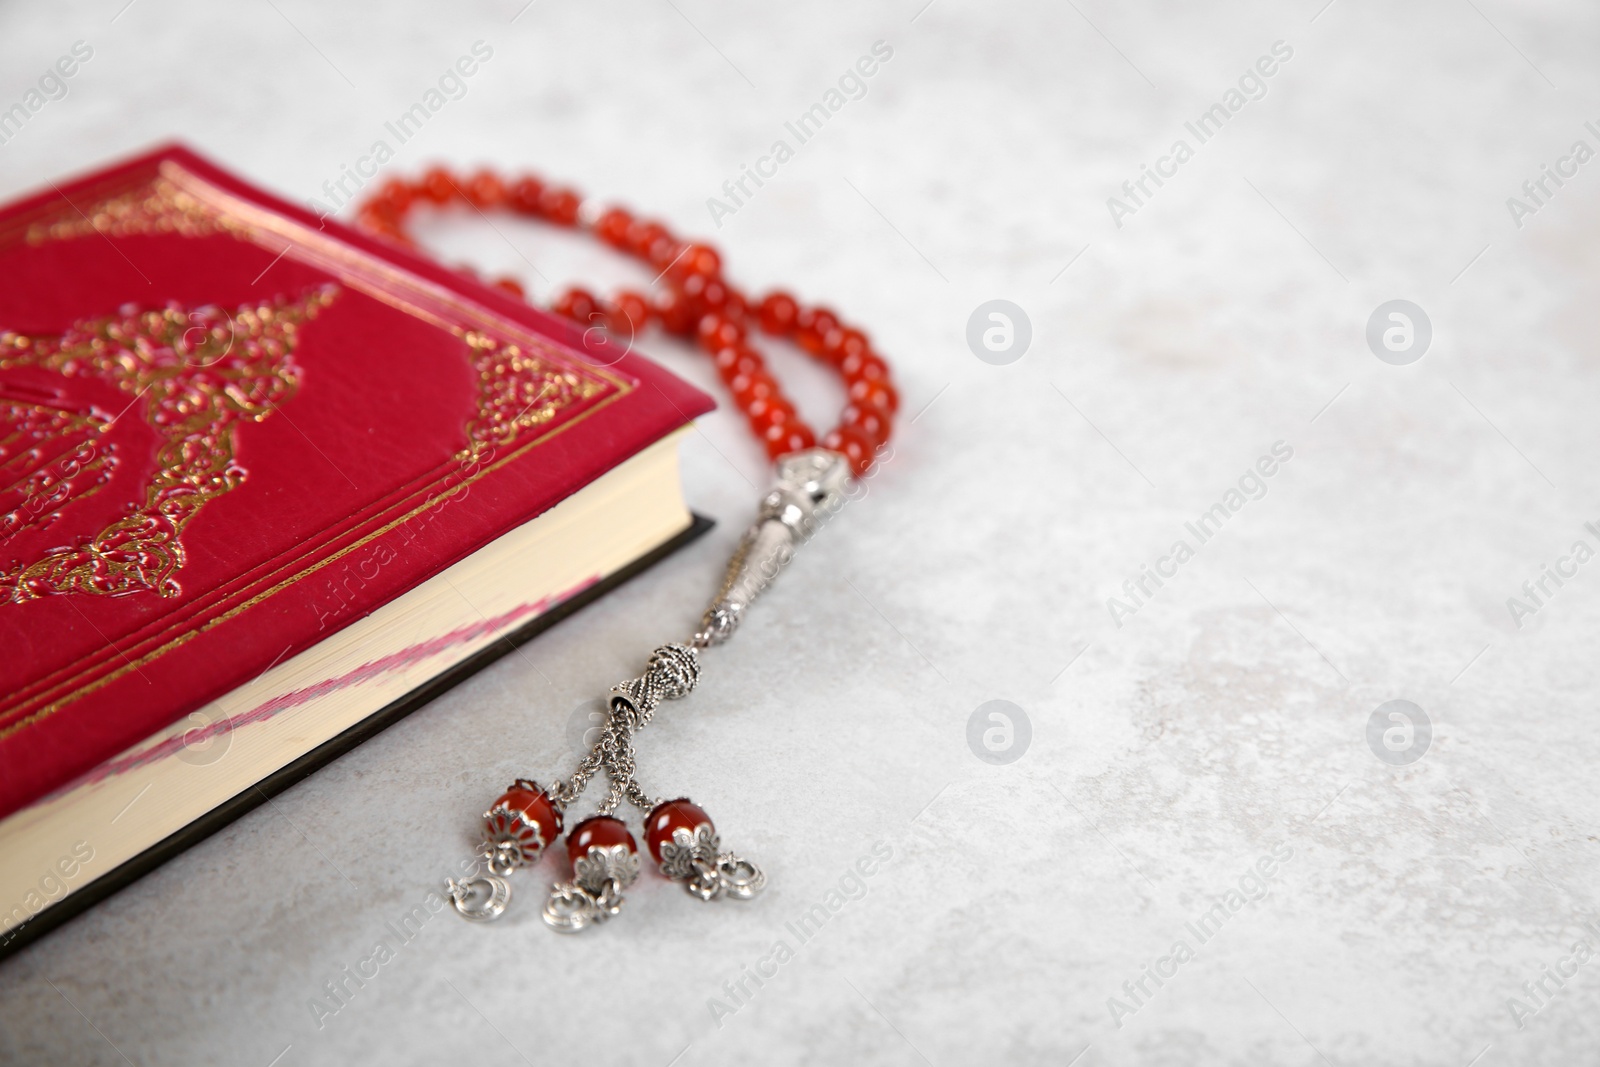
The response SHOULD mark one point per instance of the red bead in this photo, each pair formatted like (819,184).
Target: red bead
(734,360)
(524,195)
(510,285)
(846,349)
(704,259)
(523,815)
(842,343)
(534,804)
(579,305)
(695,259)
(671,815)
(630,313)
(853,444)
(396,194)
(379,207)
(705,294)
(713,295)
(878,394)
(778,311)
(612,227)
(818,320)
(811,326)
(717,332)
(663,251)
(768,411)
(559,205)
(598,831)
(872,421)
(747,387)
(734,308)
(863,366)
(676,312)
(372,217)
(792,436)
(485,189)
(833,345)
(437,185)
(642,236)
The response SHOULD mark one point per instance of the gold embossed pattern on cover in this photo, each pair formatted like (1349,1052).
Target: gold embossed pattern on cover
(193,375)
(159,206)
(517,392)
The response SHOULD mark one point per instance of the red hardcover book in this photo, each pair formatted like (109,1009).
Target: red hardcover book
(230,432)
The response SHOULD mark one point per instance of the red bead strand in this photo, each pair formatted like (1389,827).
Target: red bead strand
(696,300)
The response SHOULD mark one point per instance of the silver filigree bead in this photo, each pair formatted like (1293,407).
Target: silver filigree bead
(675,669)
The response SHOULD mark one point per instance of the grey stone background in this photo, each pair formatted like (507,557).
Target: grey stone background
(1225,719)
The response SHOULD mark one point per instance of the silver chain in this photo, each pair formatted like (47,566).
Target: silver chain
(614,752)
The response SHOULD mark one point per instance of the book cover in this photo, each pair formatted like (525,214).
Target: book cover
(229,428)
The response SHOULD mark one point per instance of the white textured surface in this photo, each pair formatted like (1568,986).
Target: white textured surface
(1168,756)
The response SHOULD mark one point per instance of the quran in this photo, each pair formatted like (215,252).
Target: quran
(267,484)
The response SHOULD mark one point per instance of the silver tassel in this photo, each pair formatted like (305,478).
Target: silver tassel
(810,490)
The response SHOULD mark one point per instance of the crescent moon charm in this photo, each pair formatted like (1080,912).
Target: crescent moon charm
(482,899)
